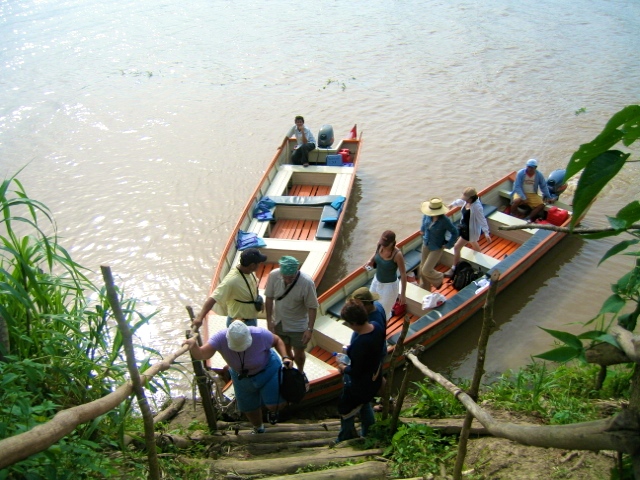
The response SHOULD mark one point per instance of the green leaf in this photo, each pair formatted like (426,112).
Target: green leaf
(559,355)
(607,338)
(565,337)
(628,321)
(613,304)
(617,223)
(597,173)
(630,213)
(618,248)
(591,335)
(599,235)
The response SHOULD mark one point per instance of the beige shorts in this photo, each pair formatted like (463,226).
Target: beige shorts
(533,199)
(290,338)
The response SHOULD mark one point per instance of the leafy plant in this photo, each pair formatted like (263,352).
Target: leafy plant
(57,345)
(434,402)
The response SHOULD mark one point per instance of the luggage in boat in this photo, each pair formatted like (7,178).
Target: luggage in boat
(334,160)
(557,216)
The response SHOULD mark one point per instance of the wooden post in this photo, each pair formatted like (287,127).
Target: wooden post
(204,386)
(127,343)
(397,352)
(400,400)
(487,325)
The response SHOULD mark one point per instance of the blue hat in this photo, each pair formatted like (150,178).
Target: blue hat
(532,163)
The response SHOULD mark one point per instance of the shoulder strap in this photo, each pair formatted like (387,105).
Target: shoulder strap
(286,292)
(250,292)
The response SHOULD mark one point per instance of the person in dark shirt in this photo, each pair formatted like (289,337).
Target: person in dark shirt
(362,377)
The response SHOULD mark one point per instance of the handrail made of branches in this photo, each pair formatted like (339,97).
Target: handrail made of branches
(41,437)
(620,433)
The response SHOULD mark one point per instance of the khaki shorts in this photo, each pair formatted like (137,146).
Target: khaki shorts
(533,199)
(290,338)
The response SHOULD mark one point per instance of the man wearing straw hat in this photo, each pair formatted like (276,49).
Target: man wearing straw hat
(435,225)
(291,307)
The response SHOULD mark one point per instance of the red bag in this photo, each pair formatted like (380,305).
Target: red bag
(557,216)
(346,155)
(398,309)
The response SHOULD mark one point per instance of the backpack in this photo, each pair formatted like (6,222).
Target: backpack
(463,275)
(292,384)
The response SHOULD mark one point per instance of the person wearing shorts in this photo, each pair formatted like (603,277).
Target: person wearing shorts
(253,366)
(291,307)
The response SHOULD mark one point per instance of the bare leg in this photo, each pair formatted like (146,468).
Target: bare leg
(299,356)
(255,417)
(535,212)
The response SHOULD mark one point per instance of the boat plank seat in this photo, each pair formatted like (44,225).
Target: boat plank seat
(330,333)
(323,355)
(341,184)
(279,183)
(337,307)
(498,248)
(309,190)
(312,262)
(262,273)
(316,169)
(480,259)
(412,259)
(394,326)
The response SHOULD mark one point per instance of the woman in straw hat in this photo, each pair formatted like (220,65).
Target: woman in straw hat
(388,260)
(472,224)
(435,225)
(253,366)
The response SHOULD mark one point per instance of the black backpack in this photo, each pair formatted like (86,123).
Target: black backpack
(463,275)
(292,384)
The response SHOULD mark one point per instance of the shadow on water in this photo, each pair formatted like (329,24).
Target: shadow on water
(455,356)
(337,268)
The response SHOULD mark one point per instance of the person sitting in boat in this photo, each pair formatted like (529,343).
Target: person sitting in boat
(291,307)
(435,225)
(388,260)
(253,366)
(472,224)
(306,142)
(237,295)
(362,377)
(525,191)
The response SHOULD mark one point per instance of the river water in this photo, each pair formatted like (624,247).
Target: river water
(144,126)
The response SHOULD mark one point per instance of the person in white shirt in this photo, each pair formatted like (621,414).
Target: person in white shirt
(306,142)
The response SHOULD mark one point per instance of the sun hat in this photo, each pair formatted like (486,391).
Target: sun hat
(532,162)
(238,336)
(251,255)
(470,192)
(364,295)
(433,207)
(288,265)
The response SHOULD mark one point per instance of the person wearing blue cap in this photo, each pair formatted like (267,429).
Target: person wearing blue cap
(525,190)
(291,307)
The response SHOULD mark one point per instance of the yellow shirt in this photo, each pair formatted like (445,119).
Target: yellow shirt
(234,288)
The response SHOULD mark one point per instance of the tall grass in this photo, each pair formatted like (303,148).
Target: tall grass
(59,348)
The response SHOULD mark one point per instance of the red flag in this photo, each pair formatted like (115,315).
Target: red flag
(354,131)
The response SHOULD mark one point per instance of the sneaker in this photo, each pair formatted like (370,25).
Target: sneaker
(272,417)
(256,430)
(449,273)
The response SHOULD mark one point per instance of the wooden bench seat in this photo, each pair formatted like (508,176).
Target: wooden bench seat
(292,229)
(309,190)
(280,182)
(470,255)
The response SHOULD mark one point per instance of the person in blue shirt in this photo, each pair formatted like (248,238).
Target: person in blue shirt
(306,142)
(434,229)
(363,375)
(525,190)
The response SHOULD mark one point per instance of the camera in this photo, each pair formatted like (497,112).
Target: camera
(244,373)
(258,303)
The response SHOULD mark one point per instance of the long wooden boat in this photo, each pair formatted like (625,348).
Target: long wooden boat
(512,253)
(305,208)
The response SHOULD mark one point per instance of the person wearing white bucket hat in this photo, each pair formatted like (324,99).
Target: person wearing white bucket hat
(253,366)
(525,191)
(435,225)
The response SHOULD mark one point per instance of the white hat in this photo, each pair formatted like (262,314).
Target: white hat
(532,163)
(238,336)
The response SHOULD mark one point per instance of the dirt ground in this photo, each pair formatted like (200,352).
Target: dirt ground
(487,457)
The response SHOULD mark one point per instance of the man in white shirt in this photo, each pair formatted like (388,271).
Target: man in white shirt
(291,307)
(306,142)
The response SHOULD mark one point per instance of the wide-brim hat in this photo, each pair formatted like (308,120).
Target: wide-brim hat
(239,336)
(364,295)
(433,207)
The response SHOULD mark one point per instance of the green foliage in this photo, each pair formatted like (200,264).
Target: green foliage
(435,402)
(558,397)
(418,450)
(599,165)
(61,350)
